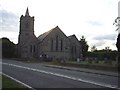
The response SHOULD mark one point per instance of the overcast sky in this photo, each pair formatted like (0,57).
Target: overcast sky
(90,18)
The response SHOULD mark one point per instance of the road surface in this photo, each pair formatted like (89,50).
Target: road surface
(37,76)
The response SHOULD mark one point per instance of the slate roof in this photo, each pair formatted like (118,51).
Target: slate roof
(44,35)
(72,36)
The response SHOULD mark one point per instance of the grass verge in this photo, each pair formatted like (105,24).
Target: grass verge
(102,67)
(8,83)
(113,67)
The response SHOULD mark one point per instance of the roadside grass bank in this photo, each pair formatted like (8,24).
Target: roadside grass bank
(0,81)
(84,64)
(8,83)
(102,65)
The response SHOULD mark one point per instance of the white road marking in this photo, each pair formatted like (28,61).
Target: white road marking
(65,76)
(18,81)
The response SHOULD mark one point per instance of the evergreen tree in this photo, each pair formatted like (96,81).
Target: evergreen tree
(84,47)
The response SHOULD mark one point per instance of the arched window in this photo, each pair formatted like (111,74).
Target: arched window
(34,48)
(30,48)
(61,45)
(56,43)
(51,44)
(73,50)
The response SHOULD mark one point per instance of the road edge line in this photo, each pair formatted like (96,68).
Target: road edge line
(64,76)
(18,81)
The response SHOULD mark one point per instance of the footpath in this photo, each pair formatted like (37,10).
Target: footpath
(86,70)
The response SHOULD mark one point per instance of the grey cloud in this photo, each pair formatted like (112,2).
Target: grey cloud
(94,23)
(99,43)
(114,43)
(9,21)
(106,37)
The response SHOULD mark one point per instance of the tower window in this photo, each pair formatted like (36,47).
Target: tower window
(27,25)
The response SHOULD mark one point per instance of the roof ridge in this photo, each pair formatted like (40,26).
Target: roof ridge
(44,35)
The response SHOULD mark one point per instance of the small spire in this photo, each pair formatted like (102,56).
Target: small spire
(27,12)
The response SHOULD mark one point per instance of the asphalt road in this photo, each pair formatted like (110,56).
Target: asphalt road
(38,76)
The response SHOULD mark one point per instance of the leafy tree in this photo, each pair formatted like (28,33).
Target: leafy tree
(84,46)
(107,49)
(118,43)
(117,24)
(103,54)
(93,49)
(8,48)
(118,47)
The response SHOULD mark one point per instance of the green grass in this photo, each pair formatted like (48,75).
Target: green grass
(9,83)
(91,64)
(0,81)
(95,62)
(86,64)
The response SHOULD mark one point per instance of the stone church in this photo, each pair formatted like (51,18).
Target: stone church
(53,44)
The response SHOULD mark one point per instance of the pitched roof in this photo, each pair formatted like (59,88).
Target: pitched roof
(44,35)
(71,36)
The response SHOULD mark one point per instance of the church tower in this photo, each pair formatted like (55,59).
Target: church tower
(27,39)
(26,27)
